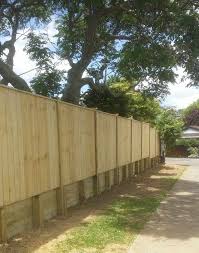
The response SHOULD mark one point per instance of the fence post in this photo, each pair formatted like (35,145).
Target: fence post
(140,163)
(61,202)
(130,166)
(124,174)
(3,225)
(150,141)
(116,171)
(107,180)
(149,159)
(81,191)
(37,211)
(95,178)
(133,167)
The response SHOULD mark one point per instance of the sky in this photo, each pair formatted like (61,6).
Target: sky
(180,96)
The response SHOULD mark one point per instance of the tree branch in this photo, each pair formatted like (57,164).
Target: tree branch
(121,37)
(90,36)
(90,82)
(8,74)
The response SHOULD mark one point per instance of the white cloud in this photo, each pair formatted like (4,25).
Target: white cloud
(22,62)
(180,95)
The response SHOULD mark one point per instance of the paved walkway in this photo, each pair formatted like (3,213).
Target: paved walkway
(174,228)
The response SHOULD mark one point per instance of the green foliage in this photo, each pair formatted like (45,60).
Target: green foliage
(160,42)
(119,97)
(192,146)
(140,40)
(36,11)
(49,80)
(169,125)
(48,84)
(108,100)
(194,105)
(154,63)
(75,25)
(38,50)
(17,19)
(191,114)
(193,152)
(144,108)
(187,142)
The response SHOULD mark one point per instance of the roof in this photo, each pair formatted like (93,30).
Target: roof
(194,127)
(190,132)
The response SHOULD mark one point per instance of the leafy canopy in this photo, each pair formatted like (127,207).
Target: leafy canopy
(17,19)
(142,41)
(191,114)
(166,35)
(118,97)
(187,142)
(170,126)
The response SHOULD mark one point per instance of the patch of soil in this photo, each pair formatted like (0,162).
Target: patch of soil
(53,231)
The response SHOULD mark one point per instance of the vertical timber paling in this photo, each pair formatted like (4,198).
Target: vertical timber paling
(116,177)
(130,167)
(61,203)
(95,178)
(149,158)
(140,162)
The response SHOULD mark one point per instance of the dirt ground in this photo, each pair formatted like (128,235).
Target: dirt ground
(45,239)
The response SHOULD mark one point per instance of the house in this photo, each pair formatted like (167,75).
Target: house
(181,149)
(191,132)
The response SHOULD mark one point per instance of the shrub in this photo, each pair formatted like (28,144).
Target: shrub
(193,152)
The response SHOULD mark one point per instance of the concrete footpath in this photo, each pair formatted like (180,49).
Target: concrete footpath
(174,228)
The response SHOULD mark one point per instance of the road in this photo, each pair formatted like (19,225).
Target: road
(175,225)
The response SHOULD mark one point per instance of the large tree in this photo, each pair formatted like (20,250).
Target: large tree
(16,16)
(142,40)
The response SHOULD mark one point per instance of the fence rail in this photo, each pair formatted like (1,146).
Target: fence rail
(47,145)
(40,137)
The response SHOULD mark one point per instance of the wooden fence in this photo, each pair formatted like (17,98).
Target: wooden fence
(47,145)
(106,144)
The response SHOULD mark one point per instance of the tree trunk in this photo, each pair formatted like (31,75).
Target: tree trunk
(72,93)
(74,84)
(11,47)
(72,89)
(8,74)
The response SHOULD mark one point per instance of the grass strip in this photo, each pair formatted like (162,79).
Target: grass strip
(119,224)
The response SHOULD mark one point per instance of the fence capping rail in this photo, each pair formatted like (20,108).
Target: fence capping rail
(53,146)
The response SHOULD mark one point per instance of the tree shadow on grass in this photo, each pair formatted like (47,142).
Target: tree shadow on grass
(129,206)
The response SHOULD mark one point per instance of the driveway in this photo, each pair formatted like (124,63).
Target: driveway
(175,225)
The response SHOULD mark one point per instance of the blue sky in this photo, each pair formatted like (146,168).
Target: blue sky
(180,96)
